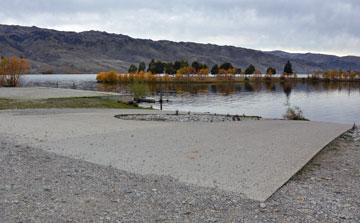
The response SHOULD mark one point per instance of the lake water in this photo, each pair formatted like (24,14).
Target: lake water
(331,102)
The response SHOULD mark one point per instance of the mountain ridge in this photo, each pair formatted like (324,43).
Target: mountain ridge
(52,51)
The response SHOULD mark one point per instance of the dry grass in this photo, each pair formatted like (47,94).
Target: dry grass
(81,102)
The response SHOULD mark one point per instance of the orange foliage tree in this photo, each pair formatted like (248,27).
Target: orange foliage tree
(107,77)
(11,68)
(204,72)
(186,70)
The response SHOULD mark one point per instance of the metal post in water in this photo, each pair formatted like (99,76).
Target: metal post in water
(161,101)
(161,93)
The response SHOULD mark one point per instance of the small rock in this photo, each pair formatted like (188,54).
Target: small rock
(346,205)
(262,205)
(343,217)
(47,189)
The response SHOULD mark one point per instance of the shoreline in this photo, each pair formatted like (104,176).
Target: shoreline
(242,80)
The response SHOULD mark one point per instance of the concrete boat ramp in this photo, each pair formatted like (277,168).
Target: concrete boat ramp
(253,158)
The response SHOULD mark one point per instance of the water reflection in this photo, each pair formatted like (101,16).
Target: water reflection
(228,89)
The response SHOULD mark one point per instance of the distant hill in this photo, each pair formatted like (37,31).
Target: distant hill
(93,51)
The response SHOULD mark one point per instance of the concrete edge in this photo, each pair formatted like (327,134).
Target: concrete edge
(313,157)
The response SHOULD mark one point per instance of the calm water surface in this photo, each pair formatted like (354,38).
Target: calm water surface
(332,102)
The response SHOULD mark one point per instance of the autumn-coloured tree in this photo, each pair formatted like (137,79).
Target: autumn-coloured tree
(107,77)
(11,68)
(226,74)
(231,71)
(203,72)
(270,71)
(185,70)
(257,74)
(222,72)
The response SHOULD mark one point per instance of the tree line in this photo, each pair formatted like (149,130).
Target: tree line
(184,67)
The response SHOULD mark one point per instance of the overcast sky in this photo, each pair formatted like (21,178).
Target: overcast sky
(326,26)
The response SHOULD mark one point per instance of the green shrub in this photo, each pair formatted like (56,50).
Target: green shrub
(139,89)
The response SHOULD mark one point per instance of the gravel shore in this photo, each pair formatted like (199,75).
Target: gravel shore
(187,117)
(38,186)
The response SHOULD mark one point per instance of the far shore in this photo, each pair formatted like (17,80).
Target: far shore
(113,77)
(239,78)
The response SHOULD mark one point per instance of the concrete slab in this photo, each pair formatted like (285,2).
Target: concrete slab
(254,158)
(32,93)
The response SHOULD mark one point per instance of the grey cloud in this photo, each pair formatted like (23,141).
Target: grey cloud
(306,25)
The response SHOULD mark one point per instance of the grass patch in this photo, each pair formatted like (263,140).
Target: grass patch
(80,102)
